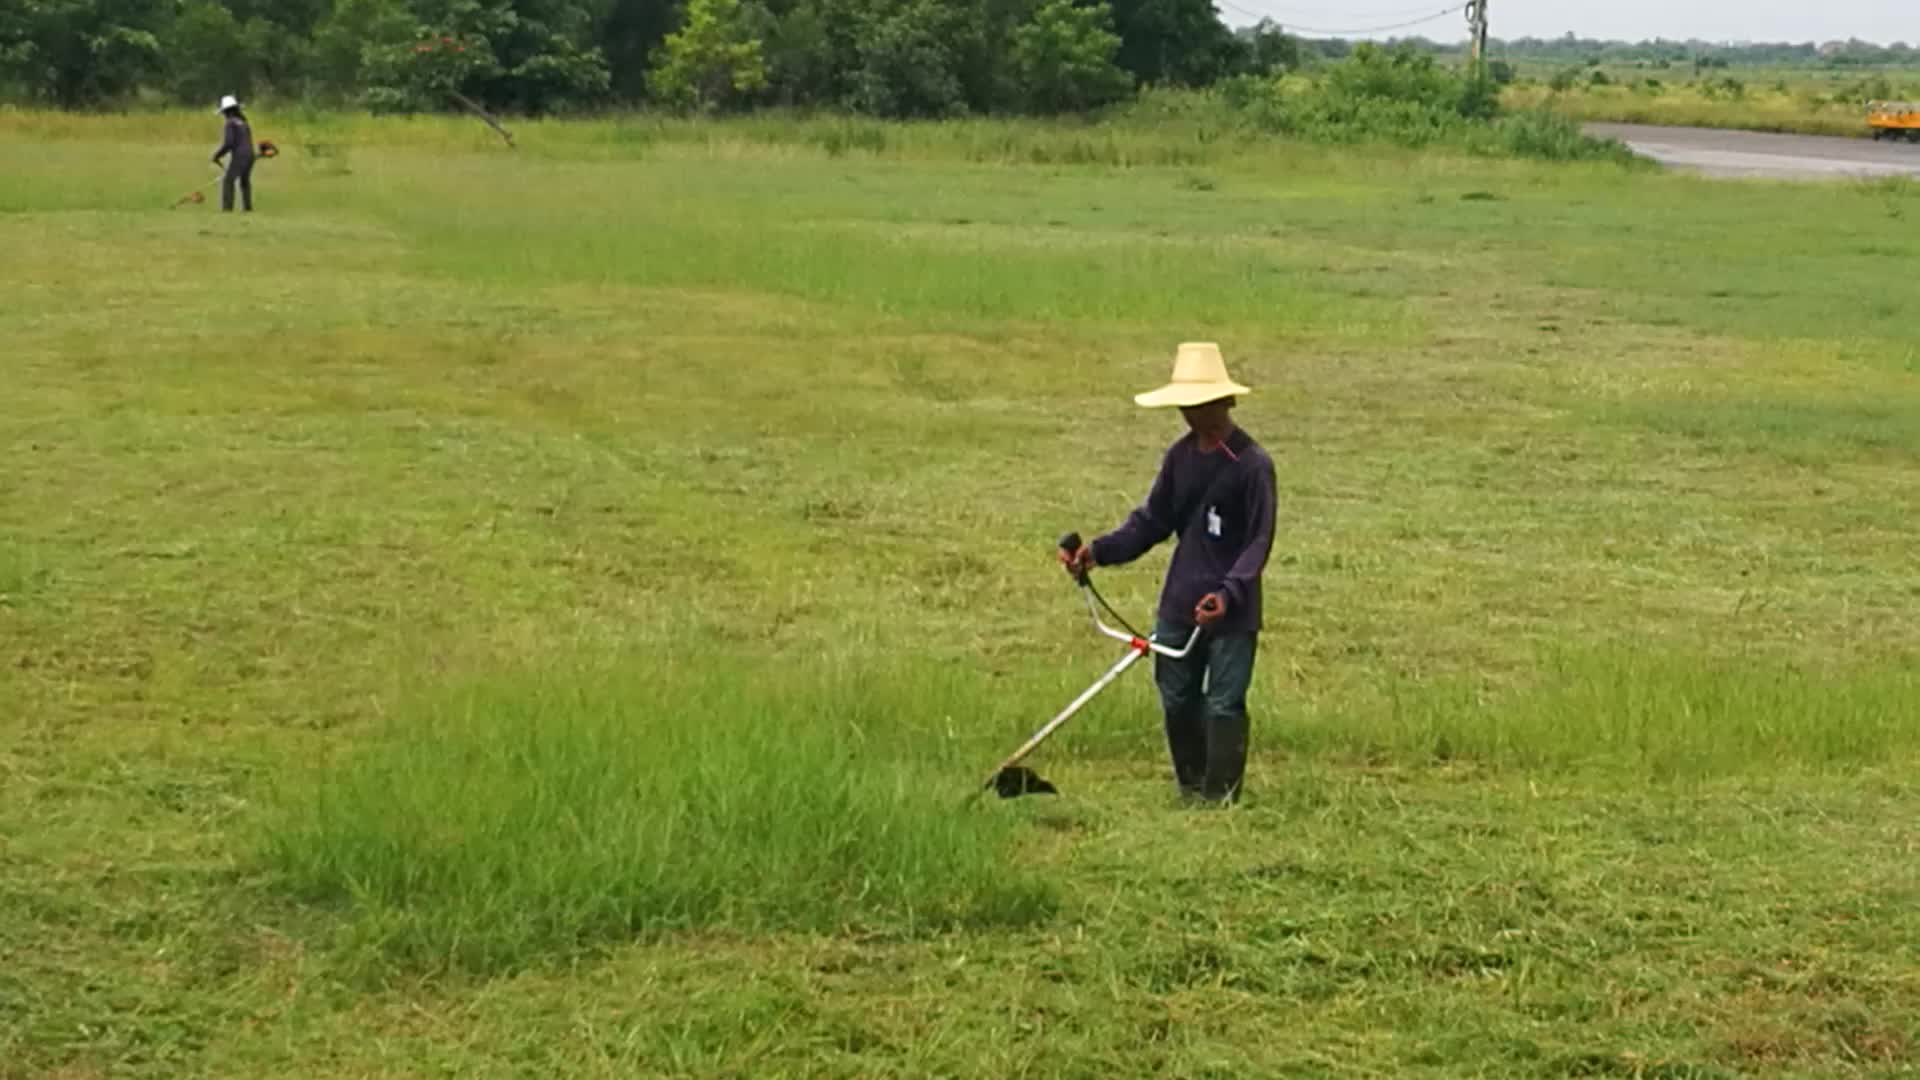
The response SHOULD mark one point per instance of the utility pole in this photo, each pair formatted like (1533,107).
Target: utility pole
(1477,23)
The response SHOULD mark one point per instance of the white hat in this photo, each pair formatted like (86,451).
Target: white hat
(228,102)
(1199,376)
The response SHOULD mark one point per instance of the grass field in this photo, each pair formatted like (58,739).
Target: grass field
(541,612)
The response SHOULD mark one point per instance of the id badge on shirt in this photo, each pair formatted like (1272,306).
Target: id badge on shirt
(1213,522)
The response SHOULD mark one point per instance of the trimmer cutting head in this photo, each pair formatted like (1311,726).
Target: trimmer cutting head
(1017,780)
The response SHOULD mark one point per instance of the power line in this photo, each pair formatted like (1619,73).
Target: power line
(1285,11)
(1362,30)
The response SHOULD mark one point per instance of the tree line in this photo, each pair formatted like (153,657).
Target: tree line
(883,57)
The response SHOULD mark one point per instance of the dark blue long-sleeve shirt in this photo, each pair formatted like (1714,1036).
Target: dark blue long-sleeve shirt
(238,141)
(1220,505)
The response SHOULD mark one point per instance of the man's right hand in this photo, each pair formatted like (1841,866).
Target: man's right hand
(1078,561)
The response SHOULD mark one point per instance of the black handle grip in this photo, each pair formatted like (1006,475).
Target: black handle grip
(1070,544)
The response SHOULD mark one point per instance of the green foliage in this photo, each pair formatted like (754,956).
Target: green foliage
(1723,88)
(75,53)
(712,61)
(1268,50)
(1373,77)
(908,58)
(1405,97)
(490,53)
(800,54)
(1174,42)
(1546,136)
(557,76)
(1871,88)
(425,73)
(1063,58)
(544,58)
(356,36)
(525,818)
(208,53)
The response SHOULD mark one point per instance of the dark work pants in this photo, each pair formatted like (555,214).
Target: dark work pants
(243,175)
(1204,698)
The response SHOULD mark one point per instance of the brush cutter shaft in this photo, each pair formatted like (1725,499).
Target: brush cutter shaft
(1137,648)
(1133,656)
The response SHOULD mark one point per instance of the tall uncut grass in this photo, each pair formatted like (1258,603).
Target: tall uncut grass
(534,815)
(1661,715)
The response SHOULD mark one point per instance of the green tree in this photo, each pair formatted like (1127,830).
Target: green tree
(351,32)
(297,18)
(712,61)
(1270,50)
(428,73)
(1063,58)
(907,57)
(519,55)
(208,53)
(1175,42)
(81,52)
(800,52)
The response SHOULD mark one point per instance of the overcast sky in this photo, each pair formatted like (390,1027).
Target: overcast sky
(1884,21)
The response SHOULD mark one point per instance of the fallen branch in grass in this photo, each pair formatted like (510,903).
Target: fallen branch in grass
(474,107)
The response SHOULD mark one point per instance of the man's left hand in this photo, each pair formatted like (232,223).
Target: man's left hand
(1211,609)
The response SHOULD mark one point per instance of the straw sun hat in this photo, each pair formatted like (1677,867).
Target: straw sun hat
(1199,376)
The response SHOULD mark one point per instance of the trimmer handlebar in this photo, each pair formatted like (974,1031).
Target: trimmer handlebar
(1070,544)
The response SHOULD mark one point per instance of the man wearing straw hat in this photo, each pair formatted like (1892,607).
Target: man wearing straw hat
(1215,495)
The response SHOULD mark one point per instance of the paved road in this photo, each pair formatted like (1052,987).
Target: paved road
(1746,153)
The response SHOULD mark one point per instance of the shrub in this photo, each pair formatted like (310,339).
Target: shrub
(1549,136)
(1724,88)
(1405,98)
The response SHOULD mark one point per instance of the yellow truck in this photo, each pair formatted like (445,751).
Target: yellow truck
(1894,119)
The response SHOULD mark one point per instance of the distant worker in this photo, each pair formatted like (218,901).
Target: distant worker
(1215,496)
(238,141)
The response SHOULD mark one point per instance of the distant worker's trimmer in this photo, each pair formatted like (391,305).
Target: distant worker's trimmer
(1012,780)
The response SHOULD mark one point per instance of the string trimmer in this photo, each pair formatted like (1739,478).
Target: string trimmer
(199,195)
(1012,779)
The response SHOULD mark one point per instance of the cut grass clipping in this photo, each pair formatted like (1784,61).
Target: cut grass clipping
(527,817)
